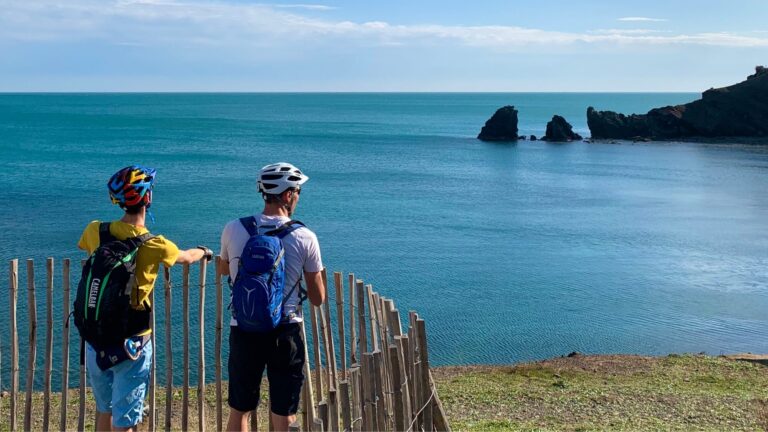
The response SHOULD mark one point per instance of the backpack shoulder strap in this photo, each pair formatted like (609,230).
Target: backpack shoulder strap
(249,223)
(104,235)
(144,238)
(286,229)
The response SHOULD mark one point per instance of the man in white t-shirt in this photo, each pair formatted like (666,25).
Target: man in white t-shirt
(282,350)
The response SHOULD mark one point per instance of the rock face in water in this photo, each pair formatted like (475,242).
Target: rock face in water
(740,110)
(502,126)
(559,130)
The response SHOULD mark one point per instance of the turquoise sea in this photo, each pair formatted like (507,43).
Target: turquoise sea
(511,252)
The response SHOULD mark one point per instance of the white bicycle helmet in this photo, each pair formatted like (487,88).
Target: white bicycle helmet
(276,178)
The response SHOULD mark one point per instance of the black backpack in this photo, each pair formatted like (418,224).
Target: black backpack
(102,309)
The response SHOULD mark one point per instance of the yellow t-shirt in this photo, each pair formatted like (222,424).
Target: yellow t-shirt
(151,254)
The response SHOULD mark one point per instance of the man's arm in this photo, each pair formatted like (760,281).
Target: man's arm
(315,287)
(224,267)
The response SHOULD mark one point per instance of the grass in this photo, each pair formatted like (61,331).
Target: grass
(614,393)
(582,393)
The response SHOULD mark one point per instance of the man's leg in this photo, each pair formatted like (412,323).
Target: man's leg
(285,371)
(245,366)
(238,420)
(281,423)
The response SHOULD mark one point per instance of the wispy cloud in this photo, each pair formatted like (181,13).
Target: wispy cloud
(304,6)
(627,31)
(641,19)
(214,23)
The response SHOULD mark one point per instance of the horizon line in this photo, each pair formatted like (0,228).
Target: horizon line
(41,92)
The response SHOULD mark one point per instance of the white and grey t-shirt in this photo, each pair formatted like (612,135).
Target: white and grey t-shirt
(302,254)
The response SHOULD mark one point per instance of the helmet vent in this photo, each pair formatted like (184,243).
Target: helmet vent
(285,169)
(271,176)
(294,178)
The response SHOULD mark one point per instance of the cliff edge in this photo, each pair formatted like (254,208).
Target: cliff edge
(739,110)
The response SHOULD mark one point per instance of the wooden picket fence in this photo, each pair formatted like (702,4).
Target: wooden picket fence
(381,381)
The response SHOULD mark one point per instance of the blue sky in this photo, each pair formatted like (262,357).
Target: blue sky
(345,45)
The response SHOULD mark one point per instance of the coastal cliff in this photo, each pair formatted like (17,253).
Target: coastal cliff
(739,110)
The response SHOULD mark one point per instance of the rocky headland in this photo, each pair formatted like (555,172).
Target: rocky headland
(739,110)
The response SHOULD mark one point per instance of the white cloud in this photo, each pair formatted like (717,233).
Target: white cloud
(305,6)
(627,31)
(641,19)
(214,23)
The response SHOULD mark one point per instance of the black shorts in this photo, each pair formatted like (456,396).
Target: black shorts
(281,352)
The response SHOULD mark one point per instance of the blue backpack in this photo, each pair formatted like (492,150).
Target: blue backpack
(257,293)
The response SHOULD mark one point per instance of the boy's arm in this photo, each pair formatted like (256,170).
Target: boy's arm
(190,256)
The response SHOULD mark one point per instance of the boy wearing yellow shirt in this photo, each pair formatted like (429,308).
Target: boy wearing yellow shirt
(120,390)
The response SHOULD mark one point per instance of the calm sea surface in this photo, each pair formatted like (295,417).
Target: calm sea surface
(511,252)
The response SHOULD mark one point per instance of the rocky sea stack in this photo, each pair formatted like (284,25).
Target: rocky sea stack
(502,126)
(559,130)
(740,110)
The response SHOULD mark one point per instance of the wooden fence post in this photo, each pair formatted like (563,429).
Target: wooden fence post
(361,318)
(331,346)
(386,372)
(308,396)
(352,328)
(201,352)
(415,373)
(440,419)
(372,318)
(14,288)
(83,378)
(344,405)
(65,347)
(340,322)
(405,360)
(185,358)
(48,345)
(369,393)
(217,349)
(356,411)
(398,407)
(316,346)
(378,373)
(168,351)
(333,410)
(322,414)
(426,389)
(32,343)
(153,370)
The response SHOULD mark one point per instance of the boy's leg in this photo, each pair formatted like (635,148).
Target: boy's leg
(131,379)
(245,366)
(285,371)
(103,422)
(101,385)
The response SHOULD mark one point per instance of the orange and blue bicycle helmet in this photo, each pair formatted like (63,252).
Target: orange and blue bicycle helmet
(131,187)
